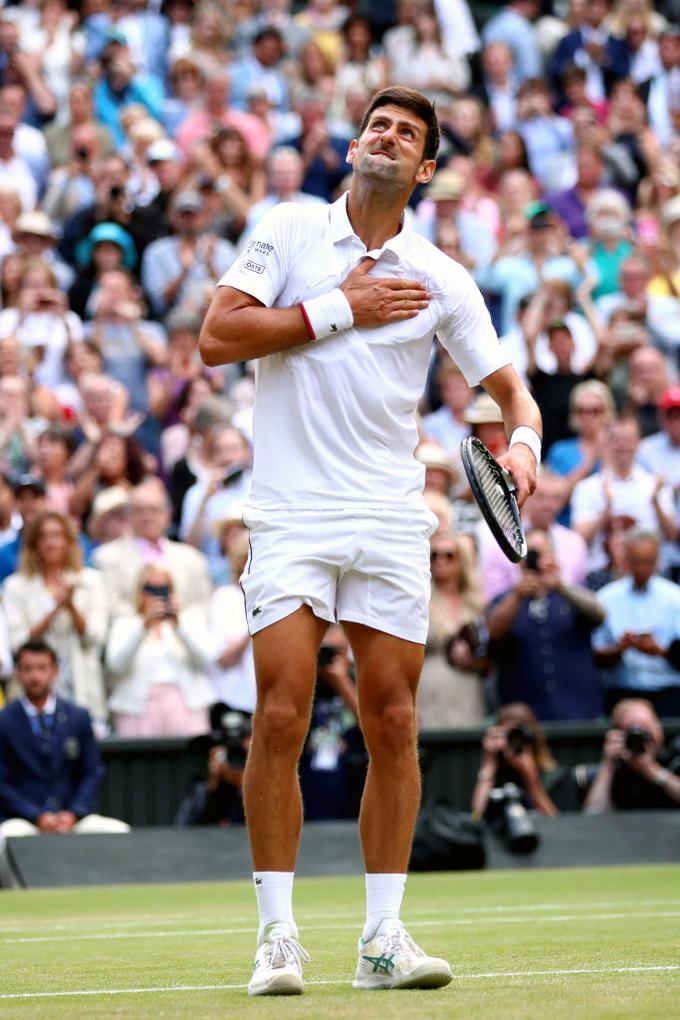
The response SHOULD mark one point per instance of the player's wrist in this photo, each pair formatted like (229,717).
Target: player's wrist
(527,436)
(328,314)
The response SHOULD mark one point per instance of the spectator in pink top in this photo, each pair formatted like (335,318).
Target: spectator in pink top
(216,113)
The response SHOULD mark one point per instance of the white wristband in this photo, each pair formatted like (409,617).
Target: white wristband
(525,434)
(330,313)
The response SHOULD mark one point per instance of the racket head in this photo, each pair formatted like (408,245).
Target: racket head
(495,497)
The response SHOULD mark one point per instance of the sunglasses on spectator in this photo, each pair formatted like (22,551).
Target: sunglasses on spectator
(589,410)
(443,555)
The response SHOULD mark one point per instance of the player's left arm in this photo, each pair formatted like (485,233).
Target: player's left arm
(519,410)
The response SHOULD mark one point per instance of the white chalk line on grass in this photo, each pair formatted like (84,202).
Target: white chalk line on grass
(305,917)
(448,922)
(489,975)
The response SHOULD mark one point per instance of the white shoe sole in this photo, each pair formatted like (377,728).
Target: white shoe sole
(280,984)
(425,976)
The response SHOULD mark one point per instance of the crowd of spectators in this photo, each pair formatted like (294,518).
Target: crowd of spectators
(140,143)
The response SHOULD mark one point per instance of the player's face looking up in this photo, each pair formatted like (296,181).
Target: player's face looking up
(390,149)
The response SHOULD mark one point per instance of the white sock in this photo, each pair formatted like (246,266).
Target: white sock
(384,894)
(274,891)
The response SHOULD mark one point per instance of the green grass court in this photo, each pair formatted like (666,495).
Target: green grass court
(541,945)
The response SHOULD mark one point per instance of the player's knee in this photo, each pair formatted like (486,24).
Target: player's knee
(392,728)
(281,724)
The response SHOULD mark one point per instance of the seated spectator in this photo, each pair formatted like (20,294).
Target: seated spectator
(540,639)
(443,203)
(513,26)
(285,174)
(629,127)
(35,236)
(648,379)
(541,511)
(42,322)
(110,515)
(659,453)
(591,412)
(186,87)
(570,204)
(217,112)
(168,382)
(663,86)
(446,425)
(614,545)
(450,693)
(158,659)
(638,772)
(208,498)
(107,248)
(54,597)
(605,58)
(236,178)
(121,561)
(548,137)
(261,67)
(117,460)
(514,275)
(17,438)
(120,86)
(54,449)
(642,622)
(29,501)
(60,132)
(608,216)
(515,750)
(427,65)
(620,489)
(15,171)
(323,154)
(497,84)
(191,256)
(50,763)
(233,670)
(185,447)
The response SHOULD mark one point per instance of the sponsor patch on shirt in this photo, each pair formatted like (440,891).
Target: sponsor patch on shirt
(254,267)
(261,247)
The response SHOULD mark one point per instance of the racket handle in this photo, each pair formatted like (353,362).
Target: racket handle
(509,480)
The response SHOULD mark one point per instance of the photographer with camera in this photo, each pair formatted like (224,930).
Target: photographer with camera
(215,798)
(540,639)
(516,764)
(637,771)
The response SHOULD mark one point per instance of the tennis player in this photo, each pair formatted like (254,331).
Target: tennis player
(340,304)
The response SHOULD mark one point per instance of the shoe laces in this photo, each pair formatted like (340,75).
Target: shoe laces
(395,939)
(285,950)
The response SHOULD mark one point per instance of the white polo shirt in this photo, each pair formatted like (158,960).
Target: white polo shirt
(334,420)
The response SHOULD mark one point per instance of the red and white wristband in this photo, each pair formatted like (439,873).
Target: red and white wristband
(525,434)
(325,315)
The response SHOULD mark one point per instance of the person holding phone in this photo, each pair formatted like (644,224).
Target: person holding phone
(641,627)
(540,638)
(158,660)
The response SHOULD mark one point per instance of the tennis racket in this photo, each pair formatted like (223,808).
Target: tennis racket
(494,490)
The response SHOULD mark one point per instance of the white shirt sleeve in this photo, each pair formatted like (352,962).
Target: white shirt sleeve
(262,268)
(466,330)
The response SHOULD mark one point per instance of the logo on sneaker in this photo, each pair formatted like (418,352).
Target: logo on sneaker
(258,881)
(381,964)
(257,610)
(334,328)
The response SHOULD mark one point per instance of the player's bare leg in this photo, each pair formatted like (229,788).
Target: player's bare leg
(388,670)
(285,666)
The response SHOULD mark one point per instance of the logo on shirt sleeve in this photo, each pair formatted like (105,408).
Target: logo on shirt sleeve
(254,267)
(260,248)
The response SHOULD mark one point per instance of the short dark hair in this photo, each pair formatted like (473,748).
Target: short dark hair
(416,102)
(38,647)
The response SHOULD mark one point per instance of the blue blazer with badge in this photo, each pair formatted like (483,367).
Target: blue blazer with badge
(60,773)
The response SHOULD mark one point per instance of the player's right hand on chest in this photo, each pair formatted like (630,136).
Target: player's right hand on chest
(377,300)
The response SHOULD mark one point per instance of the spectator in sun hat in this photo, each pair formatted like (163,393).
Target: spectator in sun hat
(440,471)
(110,515)
(107,247)
(484,416)
(111,233)
(443,203)
(34,235)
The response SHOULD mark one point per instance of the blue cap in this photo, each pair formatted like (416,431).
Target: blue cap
(107,232)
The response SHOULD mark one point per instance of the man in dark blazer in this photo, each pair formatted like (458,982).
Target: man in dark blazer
(604,57)
(50,763)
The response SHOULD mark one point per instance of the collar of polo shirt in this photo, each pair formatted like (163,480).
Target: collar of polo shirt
(341,228)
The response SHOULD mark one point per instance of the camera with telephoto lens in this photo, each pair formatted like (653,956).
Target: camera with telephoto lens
(508,818)
(637,740)
(519,738)
(230,730)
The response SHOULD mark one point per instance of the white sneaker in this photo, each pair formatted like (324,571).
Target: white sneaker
(278,964)
(391,959)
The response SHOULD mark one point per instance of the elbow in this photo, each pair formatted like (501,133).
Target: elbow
(214,352)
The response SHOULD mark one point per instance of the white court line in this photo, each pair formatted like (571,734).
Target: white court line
(639,969)
(345,915)
(433,923)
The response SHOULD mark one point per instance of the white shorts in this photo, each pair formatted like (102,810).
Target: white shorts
(361,568)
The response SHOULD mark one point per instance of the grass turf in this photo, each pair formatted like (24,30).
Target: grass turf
(504,932)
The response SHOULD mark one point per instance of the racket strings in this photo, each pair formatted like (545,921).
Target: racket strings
(487,475)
